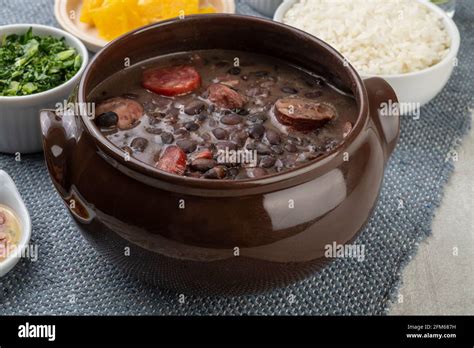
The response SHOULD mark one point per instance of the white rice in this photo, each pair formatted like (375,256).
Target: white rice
(378,37)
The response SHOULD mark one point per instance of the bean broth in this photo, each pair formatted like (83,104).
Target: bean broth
(222,114)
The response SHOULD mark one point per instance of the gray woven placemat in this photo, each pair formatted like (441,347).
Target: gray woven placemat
(71,278)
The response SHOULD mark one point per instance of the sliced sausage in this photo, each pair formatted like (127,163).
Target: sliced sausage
(3,219)
(225,97)
(128,111)
(172,81)
(303,114)
(173,160)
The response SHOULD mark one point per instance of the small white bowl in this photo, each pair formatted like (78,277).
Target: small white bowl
(68,12)
(417,87)
(19,116)
(10,197)
(266,7)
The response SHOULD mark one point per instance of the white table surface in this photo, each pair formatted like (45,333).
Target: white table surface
(436,281)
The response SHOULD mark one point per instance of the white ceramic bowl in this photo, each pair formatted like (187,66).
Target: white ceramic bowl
(417,87)
(19,116)
(266,7)
(10,197)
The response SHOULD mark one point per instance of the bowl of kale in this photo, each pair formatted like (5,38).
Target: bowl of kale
(39,68)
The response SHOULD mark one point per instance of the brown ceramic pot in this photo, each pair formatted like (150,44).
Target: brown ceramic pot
(227,237)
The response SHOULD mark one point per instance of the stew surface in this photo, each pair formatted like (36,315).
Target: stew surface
(222,114)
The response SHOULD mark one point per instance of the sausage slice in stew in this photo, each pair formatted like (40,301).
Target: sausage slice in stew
(225,97)
(303,114)
(128,111)
(172,81)
(173,161)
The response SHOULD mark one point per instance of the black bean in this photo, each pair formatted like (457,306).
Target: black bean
(258,172)
(203,164)
(277,149)
(313,95)
(139,144)
(233,172)
(216,173)
(239,137)
(273,137)
(231,120)
(257,131)
(226,145)
(195,107)
(291,148)
(181,133)
(191,126)
(167,138)
(201,117)
(234,71)
(153,130)
(251,146)
(107,119)
(289,162)
(258,118)
(263,149)
(187,145)
(220,133)
(153,121)
(241,112)
(268,161)
(289,90)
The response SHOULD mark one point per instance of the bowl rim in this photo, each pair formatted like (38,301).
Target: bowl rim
(24,217)
(450,25)
(55,32)
(287,176)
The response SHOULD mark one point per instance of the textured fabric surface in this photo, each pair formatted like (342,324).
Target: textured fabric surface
(71,278)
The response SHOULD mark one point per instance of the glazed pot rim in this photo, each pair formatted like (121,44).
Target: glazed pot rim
(290,177)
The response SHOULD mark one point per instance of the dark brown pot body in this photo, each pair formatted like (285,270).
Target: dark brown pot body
(212,237)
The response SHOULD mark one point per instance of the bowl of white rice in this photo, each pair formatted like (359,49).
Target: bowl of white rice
(412,44)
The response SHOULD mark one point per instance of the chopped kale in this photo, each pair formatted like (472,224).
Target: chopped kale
(32,64)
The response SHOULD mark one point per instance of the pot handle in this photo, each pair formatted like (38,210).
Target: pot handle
(60,134)
(384,112)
